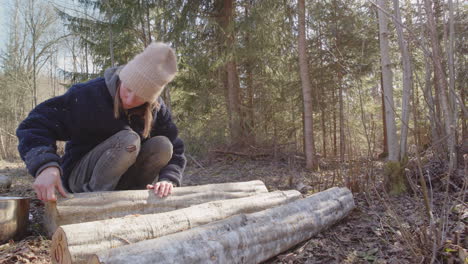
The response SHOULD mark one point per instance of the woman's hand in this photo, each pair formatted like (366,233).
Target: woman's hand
(46,183)
(162,188)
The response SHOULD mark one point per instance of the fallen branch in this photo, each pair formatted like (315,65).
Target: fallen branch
(241,153)
(195,161)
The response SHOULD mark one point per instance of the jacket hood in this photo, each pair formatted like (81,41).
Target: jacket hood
(111,76)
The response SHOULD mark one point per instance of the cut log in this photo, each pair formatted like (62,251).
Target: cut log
(245,238)
(5,183)
(77,242)
(86,207)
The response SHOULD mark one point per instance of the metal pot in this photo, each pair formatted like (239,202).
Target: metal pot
(14,214)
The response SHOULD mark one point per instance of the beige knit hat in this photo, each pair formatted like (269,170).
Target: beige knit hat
(150,71)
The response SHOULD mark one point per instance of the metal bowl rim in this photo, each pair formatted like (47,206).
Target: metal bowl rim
(14,198)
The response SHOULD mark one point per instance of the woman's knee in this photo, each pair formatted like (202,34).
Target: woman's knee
(102,167)
(159,147)
(129,140)
(161,142)
(126,147)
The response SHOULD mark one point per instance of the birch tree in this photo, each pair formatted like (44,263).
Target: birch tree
(392,141)
(33,38)
(39,20)
(407,80)
(394,177)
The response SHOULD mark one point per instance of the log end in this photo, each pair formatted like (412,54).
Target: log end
(59,250)
(94,260)
(260,186)
(50,218)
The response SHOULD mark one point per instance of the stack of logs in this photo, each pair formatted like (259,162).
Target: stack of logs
(216,223)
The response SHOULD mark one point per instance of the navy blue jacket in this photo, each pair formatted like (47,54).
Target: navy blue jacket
(84,117)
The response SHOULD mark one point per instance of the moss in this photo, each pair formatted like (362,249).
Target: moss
(394,177)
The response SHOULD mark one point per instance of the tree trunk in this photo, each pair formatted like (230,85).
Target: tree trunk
(464,120)
(33,25)
(111,47)
(427,92)
(234,102)
(384,153)
(167,97)
(352,151)
(407,80)
(295,129)
(323,101)
(394,177)
(86,207)
(416,117)
(392,140)
(342,128)
(364,121)
(86,60)
(142,23)
(324,131)
(249,121)
(451,88)
(148,21)
(4,154)
(167,91)
(76,243)
(450,54)
(231,82)
(245,238)
(309,145)
(335,148)
(442,87)
(74,62)
(111,36)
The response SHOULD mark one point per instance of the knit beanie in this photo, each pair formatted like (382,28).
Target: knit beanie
(148,73)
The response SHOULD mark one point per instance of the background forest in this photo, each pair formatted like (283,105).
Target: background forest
(239,83)
(311,84)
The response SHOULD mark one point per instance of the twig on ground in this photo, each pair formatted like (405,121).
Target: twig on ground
(241,153)
(195,161)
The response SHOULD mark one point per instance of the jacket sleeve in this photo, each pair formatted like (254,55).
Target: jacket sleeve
(38,133)
(164,126)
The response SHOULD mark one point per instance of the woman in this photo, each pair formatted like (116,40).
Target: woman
(119,132)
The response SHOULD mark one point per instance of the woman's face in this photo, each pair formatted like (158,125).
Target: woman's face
(128,98)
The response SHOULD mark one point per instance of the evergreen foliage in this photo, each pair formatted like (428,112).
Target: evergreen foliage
(260,39)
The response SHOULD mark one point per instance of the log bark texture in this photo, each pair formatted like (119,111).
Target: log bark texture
(86,207)
(245,238)
(77,242)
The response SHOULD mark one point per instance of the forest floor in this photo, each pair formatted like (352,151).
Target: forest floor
(381,229)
